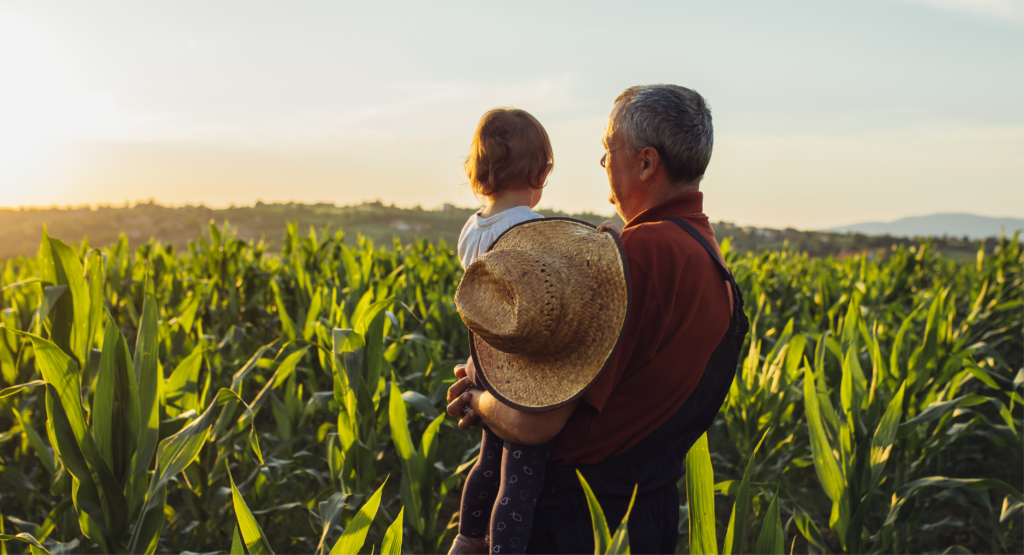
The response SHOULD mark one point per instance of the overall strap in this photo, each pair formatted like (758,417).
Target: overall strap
(704,242)
(737,296)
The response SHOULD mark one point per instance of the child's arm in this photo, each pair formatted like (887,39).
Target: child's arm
(611,226)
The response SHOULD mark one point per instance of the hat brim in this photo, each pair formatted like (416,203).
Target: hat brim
(532,384)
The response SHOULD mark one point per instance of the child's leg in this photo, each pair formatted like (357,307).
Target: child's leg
(522,478)
(481,488)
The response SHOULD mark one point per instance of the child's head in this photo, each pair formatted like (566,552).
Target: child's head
(510,150)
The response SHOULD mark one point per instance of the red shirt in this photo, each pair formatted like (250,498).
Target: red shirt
(679,312)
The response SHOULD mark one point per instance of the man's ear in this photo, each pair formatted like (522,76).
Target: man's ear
(650,161)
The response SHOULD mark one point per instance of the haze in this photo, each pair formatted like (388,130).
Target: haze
(825,113)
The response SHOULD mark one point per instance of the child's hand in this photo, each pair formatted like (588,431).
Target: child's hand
(611,226)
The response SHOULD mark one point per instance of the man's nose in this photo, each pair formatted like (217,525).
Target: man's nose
(603,156)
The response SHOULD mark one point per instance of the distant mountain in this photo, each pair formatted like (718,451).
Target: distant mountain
(937,225)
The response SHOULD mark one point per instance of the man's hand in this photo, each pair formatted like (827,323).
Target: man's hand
(611,226)
(528,428)
(460,395)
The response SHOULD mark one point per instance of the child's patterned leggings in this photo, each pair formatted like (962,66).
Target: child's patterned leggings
(501,492)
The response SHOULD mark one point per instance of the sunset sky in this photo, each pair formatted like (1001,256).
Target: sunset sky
(826,113)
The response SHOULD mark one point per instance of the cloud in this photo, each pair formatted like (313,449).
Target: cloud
(1002,9)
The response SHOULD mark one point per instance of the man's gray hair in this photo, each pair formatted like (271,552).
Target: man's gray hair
(673,120)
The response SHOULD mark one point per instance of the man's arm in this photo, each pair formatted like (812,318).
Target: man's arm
(527,428)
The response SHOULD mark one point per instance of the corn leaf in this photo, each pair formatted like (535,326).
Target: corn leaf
(236,543)
(700,496)
(738,518)
(116,412)
(885,435)
(34,545)
(393,537)
(255,541)
(352,539)
(182,389)
(75,445)
(330,511)
(43,451)
(71,320)
(148,378)
(602,537)
(620,541)
(825,464)
(772,540)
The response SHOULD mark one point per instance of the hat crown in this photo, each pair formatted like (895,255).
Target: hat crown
(516,301)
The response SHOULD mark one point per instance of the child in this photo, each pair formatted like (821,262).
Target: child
(508,165)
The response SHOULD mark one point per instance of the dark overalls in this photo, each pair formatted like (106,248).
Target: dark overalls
(562,523)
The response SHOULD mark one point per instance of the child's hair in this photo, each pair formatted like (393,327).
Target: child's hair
(510,146)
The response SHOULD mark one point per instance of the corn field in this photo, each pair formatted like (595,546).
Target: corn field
(225,398)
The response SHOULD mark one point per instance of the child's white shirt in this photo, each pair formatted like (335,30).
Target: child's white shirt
(478,233)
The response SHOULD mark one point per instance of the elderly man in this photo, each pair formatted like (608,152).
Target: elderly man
(678,354)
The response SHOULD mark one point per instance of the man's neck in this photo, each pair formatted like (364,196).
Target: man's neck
(658,194)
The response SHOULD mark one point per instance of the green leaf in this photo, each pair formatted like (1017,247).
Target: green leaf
(412,463)
(34,545)
(967,483)
(330,511)
(173,456)
(421,403)
(116,418)
(809,530)
(71,319)
(937,410)
(772,540)
(148,378)
(885,435)
(620,541)
(825,464)
(74,442)
(738,518)
(16,388)
(700,496)
(399,422)
(287,366)
(44,452)
(352,539)
(86,494)
(236,543)
(287,324)
(95,269)
(224,420)
(182,389)
(908,490)
(602,537)
(393,537)
(252,534)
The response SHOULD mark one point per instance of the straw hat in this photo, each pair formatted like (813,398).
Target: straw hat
(546,306)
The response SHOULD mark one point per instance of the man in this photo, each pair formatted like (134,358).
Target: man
(678,354)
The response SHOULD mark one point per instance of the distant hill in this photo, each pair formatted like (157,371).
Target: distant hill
(937,225)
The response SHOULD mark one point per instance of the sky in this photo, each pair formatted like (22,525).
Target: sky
(825,113)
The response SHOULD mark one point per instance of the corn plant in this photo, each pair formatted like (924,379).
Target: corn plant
(881,397)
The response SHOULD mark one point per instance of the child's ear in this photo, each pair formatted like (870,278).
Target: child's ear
(543,177)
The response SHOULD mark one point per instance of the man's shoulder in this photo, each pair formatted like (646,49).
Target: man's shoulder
(661,241)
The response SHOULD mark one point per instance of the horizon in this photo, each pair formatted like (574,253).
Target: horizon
(825,114)
(439,207)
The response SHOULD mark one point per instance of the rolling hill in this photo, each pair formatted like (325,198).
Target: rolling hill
(937,225)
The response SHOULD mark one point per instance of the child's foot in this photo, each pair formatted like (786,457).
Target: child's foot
(469,546)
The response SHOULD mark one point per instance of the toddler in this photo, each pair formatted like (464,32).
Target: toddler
(508,166)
